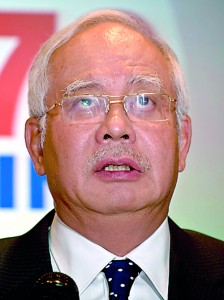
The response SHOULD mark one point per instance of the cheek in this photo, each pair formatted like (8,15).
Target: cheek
(66,151)
(161,140)
(161,146)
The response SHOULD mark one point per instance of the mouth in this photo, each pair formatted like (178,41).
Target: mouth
(117,168)
(121,169)
(118,171)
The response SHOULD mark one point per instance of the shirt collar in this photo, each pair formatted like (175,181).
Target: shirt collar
(84,259)
(152,256)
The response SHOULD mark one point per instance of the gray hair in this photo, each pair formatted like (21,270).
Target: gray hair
(39,79)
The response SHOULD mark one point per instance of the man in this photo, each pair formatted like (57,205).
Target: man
(109,128)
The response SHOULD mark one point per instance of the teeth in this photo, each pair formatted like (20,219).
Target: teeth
(113,168)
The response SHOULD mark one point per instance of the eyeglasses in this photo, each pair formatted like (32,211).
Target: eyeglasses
(86,109)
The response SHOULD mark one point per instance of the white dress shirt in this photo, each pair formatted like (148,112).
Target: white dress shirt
(83,261)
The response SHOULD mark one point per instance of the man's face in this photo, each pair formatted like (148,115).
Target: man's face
(110,57)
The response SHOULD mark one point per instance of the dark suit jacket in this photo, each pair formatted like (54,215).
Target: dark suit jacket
(196,263)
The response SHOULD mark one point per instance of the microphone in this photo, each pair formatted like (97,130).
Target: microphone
(55,285)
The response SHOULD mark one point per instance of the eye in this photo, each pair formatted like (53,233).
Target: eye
(145,101)
(80,103)
(86,102)
(84,107)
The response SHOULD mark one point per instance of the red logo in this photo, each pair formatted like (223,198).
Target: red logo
(31,30)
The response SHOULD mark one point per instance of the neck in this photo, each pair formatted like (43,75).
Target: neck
(120,233)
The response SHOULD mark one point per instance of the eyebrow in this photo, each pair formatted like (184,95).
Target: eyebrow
(146,79)
(88,84)
(78,85)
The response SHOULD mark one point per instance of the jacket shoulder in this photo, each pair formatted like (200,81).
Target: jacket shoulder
(196,265)
(26,241)
(197,247)
(23,259)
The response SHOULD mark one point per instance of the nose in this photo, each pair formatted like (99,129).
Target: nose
(116,126)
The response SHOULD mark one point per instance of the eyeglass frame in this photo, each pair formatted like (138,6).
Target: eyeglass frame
(60,103)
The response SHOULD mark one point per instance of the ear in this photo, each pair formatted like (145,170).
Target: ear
(184,142)
(33,138)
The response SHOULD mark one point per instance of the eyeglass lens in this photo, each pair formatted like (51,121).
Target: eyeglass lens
(93,109)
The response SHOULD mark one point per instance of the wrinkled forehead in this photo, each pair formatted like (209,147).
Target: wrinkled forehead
(114,35)
(108,50)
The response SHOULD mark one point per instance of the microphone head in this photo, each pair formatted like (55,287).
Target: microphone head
(55,285)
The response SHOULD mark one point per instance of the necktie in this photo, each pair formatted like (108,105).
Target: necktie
(120,275)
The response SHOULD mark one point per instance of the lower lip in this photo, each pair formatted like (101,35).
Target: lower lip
(119,175)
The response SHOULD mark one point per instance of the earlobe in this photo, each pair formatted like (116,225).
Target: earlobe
(33,138)
(184,141)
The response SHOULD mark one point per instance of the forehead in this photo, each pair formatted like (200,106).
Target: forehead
(109,53)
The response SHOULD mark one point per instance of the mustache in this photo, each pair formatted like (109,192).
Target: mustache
(116,152)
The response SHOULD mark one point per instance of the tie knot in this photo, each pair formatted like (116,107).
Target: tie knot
(120,275)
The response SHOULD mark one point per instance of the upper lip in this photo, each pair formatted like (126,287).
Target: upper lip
(117,162)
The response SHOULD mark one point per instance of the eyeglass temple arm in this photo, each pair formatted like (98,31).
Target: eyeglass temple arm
(53,106)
